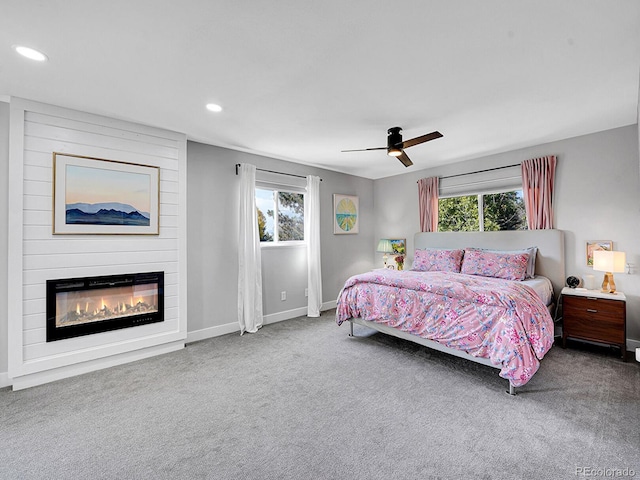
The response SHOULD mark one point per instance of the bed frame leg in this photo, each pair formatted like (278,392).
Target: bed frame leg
(350,328)
(512,390)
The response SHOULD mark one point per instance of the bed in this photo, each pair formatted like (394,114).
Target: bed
(498,322)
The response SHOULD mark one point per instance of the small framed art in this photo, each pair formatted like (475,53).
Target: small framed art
(399,246)
(93,196)
(594,245)
(345,214)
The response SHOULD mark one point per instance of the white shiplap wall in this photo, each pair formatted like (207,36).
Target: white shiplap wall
(36,255)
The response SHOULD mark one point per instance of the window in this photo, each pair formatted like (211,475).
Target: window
(484,212)
(280,215)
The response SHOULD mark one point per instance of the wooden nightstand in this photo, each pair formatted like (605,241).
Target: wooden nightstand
(595,316)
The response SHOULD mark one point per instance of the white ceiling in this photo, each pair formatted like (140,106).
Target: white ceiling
(301,80)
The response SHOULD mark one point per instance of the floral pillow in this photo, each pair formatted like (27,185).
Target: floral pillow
(510,266)
(436,260)
(531,265)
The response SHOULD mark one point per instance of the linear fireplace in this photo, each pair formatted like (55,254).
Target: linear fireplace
(82,306)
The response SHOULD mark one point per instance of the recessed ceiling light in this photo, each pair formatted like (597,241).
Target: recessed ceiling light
(214,107)
(30,53)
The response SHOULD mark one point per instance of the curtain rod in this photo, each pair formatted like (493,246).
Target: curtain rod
(481,171)
(273,171)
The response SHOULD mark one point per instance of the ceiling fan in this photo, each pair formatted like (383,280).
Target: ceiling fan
(395,146)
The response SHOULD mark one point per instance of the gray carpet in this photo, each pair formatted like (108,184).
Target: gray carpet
(302,400)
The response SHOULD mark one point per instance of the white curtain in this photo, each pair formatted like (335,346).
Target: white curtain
(312,237)
(249,258)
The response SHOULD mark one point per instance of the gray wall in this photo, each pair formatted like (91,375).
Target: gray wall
(4,211)
(597,197)
(212,201)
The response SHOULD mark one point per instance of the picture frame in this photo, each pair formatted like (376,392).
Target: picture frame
(346,211)
(594,245)
(399,246)
(96,196)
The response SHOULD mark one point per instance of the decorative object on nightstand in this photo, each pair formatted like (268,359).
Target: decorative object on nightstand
(588,282)
(384,246)
(573,282)
(594,316)
(399,262)
(609,262)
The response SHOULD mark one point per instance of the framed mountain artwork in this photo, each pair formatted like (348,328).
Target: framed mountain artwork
(94,196)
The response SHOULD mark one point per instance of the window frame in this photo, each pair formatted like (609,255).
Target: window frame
(276,188)
(480,200)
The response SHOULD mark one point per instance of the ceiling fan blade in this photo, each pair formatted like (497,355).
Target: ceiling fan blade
(422,139)
(365,149)
(406,161)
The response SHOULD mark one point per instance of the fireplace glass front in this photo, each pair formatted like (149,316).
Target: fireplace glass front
(83,306)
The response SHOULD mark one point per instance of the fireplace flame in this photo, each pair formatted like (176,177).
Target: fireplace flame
(106,305)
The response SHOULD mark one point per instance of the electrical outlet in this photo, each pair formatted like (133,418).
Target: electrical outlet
(306,292)
(283,296)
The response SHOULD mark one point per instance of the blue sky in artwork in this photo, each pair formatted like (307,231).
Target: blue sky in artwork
(97,185)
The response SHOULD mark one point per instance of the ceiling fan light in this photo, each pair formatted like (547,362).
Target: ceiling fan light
(394,152)
(394,142)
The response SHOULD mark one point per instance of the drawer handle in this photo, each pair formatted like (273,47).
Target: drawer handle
(592,298)
(591,310)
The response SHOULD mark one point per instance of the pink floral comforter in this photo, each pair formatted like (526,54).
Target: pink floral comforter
(501,320)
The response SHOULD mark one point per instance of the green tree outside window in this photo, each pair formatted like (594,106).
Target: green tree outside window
(500,211)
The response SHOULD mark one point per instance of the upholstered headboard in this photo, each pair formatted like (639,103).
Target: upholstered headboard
(550,243)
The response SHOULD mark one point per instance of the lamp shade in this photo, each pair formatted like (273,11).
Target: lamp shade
(384,246)
(609,261)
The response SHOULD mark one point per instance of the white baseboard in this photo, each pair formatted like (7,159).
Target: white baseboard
(5,381)
(40,378)
(211,332)
(218,330)
(286,315)
(329,305)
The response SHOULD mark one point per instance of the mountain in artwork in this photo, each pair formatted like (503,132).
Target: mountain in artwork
(95,207)
(107,213)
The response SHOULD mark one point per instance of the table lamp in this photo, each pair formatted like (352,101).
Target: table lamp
(384,246)
(609,262)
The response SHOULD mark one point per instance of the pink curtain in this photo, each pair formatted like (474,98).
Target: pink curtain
(538,175)
(428,198)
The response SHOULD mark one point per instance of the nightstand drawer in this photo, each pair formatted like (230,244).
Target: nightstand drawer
(595,329)
(599,306)
(595,314)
